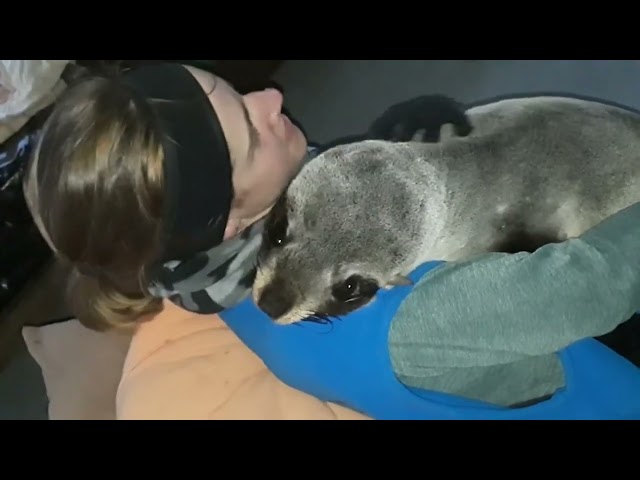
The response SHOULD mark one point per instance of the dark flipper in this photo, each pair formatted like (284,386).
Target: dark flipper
(424,116)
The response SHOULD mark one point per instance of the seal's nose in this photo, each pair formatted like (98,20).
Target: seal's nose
(275,301)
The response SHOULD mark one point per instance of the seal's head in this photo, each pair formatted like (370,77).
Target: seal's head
(344,228)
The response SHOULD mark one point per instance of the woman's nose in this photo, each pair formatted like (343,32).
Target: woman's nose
(270,100)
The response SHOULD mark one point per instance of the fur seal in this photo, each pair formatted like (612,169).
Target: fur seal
(361,216)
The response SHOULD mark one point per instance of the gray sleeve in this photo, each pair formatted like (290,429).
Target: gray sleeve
(501,308)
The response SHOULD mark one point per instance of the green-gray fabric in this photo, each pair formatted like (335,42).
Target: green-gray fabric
(489,328)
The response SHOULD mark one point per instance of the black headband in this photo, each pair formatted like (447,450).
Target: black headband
(197,165)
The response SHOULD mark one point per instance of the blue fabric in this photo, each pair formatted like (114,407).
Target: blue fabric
(347,362)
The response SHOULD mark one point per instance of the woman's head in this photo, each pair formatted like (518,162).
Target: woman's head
(266,149)
(97,185)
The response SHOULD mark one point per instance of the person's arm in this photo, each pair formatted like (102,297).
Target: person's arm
(501,308)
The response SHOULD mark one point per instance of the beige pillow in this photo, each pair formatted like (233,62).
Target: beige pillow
(81,368)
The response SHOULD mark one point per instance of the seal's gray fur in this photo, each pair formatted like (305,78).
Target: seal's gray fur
(362,216)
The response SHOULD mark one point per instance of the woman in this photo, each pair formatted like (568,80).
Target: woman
(106,184)
(103,133)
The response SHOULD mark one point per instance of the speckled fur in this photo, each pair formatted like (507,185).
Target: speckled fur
(545,166)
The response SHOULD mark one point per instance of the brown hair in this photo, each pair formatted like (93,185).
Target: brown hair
(95,189)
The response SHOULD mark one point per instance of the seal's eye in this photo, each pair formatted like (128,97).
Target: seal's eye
(354,288)
(277,233)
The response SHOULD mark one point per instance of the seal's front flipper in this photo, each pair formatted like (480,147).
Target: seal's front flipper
(421,119)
